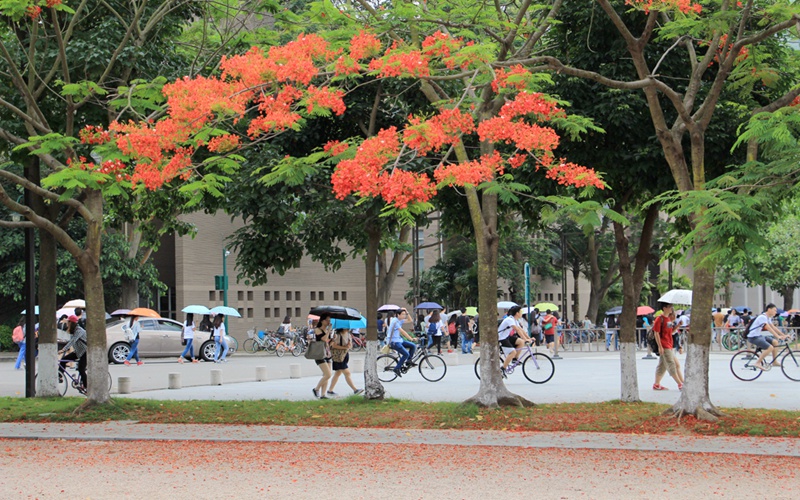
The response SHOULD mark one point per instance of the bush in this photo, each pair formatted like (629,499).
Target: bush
(6,344)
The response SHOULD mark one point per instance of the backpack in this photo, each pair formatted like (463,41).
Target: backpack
(451,328)
(281,330)
(432,328)
(18,335)
(651,336)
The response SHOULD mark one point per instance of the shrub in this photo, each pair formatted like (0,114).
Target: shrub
(6,344)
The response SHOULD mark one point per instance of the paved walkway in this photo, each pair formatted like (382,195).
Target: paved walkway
(134,431)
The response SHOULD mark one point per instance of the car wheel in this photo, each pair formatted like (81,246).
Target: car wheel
(207,350)
(119,353)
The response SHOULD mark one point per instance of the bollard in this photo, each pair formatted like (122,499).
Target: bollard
(174,381)
(216,377)
(294,371)
(124,385)
(261,373)
(356,365)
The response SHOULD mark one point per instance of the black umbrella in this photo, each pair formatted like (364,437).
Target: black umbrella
(336,312)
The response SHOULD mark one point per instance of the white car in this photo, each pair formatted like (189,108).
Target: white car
(159,338)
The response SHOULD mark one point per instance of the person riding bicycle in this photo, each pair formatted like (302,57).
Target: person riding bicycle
(78,345)
(511,334)
(767,343)
(395,336)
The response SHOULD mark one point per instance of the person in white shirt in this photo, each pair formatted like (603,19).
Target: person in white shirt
(767,343)
(510,334)
(188,336)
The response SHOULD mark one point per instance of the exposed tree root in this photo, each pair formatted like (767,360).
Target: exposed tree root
(508,399)
(710,414)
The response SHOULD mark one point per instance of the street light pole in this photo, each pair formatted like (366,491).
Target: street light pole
(30,301)
(225,253)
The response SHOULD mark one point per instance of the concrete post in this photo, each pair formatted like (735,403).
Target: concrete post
(216,377)
(261,373)
(294,371)
(174,381)
(124,385)
(357,365)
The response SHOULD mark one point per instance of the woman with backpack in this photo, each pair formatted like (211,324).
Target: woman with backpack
(18,336)
(435,331)
(452,331)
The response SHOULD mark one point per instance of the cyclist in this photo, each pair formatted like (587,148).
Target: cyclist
(767,343)
(395,337)
(510,334)
(78,345)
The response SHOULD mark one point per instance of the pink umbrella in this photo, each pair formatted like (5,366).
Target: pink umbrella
(644,310)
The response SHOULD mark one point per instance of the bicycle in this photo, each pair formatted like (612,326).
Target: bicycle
(359,342)
(65,378)
(431,366)
(734,340)
(289,344)
(255,343)
(537,367)
(743,363)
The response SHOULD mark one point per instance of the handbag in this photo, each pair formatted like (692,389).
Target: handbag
(128,334)
(338,355)
(316,350)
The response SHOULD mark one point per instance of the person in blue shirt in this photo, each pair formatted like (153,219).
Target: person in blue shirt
(400,340)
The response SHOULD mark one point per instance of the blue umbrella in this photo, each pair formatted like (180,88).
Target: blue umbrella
(614,310)
(35,311)
(429,305)
(196,310)
(227,311)
(349,323)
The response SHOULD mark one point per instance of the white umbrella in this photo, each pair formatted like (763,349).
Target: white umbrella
(76,303)
(677,296)
(506,304)
(195,309)
(227,311)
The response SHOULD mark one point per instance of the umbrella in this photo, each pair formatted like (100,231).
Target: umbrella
(349,323)
(544,306)
(429,305)
(644,310)
(793,311)
(471,311)
(336,312)
(35,311)
(677,296)
(506,304)
(614,311)
(143,311)
(69,311)
(389,308)
(196,310)
(227,311)
(121,312)
(313,317)
(76,303)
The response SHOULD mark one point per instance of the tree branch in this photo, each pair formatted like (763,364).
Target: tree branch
(38,190)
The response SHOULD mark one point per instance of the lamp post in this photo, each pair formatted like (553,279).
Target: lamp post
(225,253)
(30,299)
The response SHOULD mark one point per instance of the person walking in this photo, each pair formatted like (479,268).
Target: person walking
(464,333)
(321,335)
(340,344)
(666,361)
(78,345)
(436,329)
(188,337)
(135,328)
(612,331)
(549,329)
(452,332)
(220,345)
(18,336)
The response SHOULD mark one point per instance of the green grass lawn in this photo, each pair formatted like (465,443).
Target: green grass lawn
(639,418)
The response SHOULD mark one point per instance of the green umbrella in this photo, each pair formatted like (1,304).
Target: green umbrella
(544,306)
(471,311)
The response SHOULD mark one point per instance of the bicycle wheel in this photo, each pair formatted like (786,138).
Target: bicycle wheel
(790,365)
(538,368)
(478,368)
(728,342)
(386,364)
(270,346)
(357,346)
(432,367)
(280,350)
(742,366)
(298,350)
(249,345)
(110,381)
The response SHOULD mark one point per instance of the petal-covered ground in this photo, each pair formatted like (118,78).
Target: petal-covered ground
(146,469)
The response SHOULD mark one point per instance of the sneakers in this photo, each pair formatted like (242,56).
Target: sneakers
(180,360)
(324,397)
(411,364)
(398,372)
(316,394)
(139,363)
(659,387)
(331,393)
(680,387)
(126,363)
(358,391)
(195,360)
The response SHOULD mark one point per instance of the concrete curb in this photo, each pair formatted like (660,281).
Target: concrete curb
(134,431)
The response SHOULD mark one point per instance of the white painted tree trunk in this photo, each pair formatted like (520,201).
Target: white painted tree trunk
(694,397)
(47,372)
(629,380)
(373,388)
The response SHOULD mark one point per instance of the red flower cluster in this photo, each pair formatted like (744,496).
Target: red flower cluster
(364,45)
(33,11)
(685,6)
(516,76)
(442,46)
(335,148)
(345,66)
(362,173)
(444,128)
(796,101)
(401,64)
(401,187)
(224,143)
(325,98)
(574,175)
(92,134)
(472,172)
(52,3)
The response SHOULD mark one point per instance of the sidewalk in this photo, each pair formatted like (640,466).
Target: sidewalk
(134,431)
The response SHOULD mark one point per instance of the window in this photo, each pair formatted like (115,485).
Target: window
(250,295)
(221,295)
(289,311)
(276,296)
(240,310)
(277,312)
(296,312)
(313,296)
(211,296)
(335,295)
(539,297)
(288,295)
(559,297)
(266,297)
(266,311)
(321,296)
(240,296)
(249,312)
(297,296)
(344,295)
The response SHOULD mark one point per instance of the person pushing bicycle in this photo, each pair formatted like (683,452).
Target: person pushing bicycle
(767,343)
(78,345)
(510,334)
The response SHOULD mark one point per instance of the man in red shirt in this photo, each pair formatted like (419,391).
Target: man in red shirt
(662,327)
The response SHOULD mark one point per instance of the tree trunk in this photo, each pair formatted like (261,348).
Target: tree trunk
(130,293)
(373,389)
(89,265)
(492,391)
(599,282)
(47,377)
(788,297)
(694,398)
